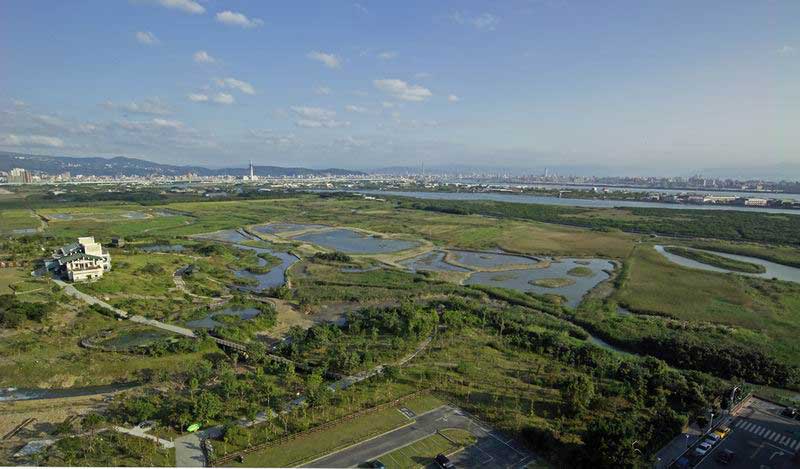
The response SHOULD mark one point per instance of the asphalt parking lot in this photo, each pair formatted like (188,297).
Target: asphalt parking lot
(761,438)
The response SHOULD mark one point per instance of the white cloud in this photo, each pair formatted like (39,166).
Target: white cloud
(361,8)
(453,98)
(356,109)
(187,6)
(232,18)
(315,117)
(315,113)
(198,98)
(233,83)
(151,106)
(322,90)
(50,121)
(224,98)
(388,104)
(13,140)
(422,75)
(19,104)
(147,38)
(482,22)
(202,57)
(787,51)
(402,90)
(271,138)
(329,60)
(219,98)
(387,55)
(171,124)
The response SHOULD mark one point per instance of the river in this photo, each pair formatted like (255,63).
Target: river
(542,200)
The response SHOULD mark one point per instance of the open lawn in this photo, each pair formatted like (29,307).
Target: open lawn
(21,219)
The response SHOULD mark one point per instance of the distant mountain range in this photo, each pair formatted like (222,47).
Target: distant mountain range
(122,166)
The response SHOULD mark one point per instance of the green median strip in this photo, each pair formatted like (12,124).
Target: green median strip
(315,445)
(422,452)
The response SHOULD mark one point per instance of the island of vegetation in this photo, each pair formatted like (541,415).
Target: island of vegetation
(554,282)
(580,271)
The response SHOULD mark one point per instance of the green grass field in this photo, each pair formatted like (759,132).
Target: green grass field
(17,220)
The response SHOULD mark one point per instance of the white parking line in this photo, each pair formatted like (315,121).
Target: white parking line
(796,445)
(739,423)
(769,434)
(760,431)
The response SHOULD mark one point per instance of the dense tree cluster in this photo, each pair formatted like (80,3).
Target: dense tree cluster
(335,256)
(719,224)
(13,311)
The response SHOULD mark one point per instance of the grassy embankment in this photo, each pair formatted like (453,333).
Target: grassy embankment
(728,324)
(717,261)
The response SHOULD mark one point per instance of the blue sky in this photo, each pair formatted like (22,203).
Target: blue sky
(634,85)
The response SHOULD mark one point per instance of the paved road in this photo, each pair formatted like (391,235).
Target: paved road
(492,448)
(760,437)
(72,291)
(189,448)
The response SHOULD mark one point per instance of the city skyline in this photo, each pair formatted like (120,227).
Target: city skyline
(367,85)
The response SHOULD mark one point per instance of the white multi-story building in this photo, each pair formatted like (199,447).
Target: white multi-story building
(84,260)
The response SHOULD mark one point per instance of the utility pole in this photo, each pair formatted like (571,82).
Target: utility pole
(733,396)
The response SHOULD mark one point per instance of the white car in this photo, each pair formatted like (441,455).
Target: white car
(703,448)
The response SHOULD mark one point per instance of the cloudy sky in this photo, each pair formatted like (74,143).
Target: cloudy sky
(516,83)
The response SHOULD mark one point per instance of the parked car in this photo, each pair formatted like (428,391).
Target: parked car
(377,464)
(789,412)
(725,456)
(722,432)
(443,461)
(703,448)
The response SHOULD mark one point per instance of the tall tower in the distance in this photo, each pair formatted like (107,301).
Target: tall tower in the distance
(252,170)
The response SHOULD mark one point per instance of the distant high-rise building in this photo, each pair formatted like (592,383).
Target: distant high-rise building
(252,171)
(19,176)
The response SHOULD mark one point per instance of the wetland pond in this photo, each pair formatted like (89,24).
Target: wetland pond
(208,321)
(431,261)
(353,242)
(773,270)
(275,277)
(490,260)
(524,279)
(273,228)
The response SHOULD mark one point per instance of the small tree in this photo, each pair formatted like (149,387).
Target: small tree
(577,391)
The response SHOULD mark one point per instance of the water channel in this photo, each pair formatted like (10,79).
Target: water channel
(773,270)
